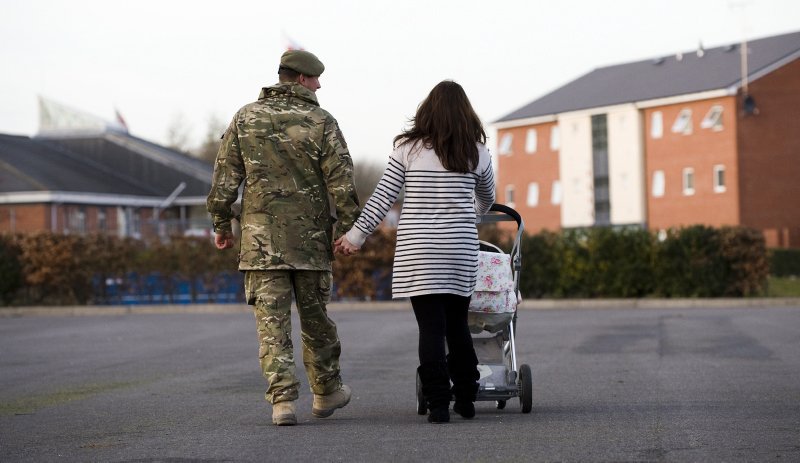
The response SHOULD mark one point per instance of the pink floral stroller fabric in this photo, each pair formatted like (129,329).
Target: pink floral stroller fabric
(494,290)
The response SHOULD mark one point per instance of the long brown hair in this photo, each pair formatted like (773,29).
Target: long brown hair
(446,122)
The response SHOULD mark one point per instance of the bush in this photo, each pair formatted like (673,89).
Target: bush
(541,265)
(361,276)
(696,261)
(784,262)
(10,269)
(744,252)
(690,263)
(620,263)
(701,261)
(67,269)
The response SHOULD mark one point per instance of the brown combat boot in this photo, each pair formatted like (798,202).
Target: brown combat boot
(325,405)
(283,413)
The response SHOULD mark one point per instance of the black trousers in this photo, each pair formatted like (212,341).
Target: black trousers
(442,320)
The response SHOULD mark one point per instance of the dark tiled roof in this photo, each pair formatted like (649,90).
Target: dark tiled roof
(31,165)
(718,68)
(106,163)
(159,168)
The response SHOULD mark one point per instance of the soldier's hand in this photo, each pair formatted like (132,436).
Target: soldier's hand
(223,240)
(345,247)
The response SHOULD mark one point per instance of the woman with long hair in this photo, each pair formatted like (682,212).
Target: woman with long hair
(446,169)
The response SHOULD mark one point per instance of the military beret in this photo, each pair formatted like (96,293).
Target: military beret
(303,62)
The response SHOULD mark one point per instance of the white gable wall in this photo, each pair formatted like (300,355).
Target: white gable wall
(575,170)
(626,165)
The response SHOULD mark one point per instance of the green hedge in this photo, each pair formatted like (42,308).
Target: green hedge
(55,269)
(784,262)
(10,269)
(696,261)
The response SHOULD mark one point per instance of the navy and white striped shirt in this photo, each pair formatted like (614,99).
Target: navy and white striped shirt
(437,242)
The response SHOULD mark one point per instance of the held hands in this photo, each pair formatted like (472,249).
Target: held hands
(223,240)
(344,247)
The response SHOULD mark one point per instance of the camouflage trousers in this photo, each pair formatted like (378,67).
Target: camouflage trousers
(270,293)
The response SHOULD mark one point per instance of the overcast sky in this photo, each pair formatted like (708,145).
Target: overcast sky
(158,61)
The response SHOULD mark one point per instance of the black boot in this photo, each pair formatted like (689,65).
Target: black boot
(464,373)
(436,390)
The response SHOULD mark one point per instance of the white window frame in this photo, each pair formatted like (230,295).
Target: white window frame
(531,141)
(556,194)
(76,220)
(683,123)
(719,187)
(659,185)
(506,143)
(713,119)
(657,124)
(688,181)
(509,195)
(555,138)
(533,195)
(102,220)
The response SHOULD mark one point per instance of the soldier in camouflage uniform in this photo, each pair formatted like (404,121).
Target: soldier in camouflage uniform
(292,157)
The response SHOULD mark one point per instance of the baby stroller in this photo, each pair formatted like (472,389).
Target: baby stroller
(492,321)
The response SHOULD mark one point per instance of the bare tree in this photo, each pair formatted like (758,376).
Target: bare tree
(368,174)
(178,133)
(207,150)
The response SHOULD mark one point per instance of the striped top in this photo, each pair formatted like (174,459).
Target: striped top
(437,241)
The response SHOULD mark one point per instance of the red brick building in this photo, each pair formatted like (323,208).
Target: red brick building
(668,142)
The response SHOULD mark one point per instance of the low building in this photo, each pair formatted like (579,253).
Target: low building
(703,137)
(82,175)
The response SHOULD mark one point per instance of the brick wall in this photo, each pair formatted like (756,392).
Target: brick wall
(520,168)
(24,218)
(701,150)
(769,146)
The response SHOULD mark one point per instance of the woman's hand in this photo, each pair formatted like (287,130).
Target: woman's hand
(344,247)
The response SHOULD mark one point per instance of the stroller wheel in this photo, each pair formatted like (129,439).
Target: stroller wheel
(422,409)
(501,404)
(525,388)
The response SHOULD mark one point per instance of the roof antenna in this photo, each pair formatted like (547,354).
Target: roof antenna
(700,50)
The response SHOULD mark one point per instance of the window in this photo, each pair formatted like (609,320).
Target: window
(658,184)
(102,223)
(602,187)
(533,194)
(713,119)
(77,219)
(505,144)
(657,125)
(719,179)
(555,193)
(688,181)
(510,195)
(530,141)
(135,222)
(683,123)
(555,138)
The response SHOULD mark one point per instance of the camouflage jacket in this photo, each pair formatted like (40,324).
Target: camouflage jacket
(291,156)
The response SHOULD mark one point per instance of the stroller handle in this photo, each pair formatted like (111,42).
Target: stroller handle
(508,211)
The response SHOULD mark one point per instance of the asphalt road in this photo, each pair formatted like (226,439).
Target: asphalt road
(695,384)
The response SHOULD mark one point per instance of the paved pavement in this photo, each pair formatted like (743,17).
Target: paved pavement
(619,384)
